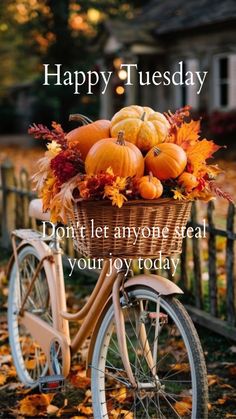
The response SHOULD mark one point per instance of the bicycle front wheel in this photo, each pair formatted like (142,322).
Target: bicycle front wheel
(28,356)
(177,389)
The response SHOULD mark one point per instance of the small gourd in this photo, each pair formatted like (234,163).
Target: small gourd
(150,187)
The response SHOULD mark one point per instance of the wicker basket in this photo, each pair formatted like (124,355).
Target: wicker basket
(146,214)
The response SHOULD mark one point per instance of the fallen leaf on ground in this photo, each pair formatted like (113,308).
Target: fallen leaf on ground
(3,379)
(226,386)
(182,407)
(30,364)
(119,394)
(5,359)
(117,413)
(35,404)
(80,380)
(51,409)
(232,370)
(13,386)
(180,367)
(79,417)
(212,379)
(3,335)
(221,401)
(4,350)
(86,410)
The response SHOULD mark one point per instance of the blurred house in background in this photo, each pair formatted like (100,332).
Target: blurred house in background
(201,33)
(87,36)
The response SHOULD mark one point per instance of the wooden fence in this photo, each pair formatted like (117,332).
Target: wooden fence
(209,303)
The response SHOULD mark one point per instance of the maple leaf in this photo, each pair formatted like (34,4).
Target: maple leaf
(185,135)
(198,153)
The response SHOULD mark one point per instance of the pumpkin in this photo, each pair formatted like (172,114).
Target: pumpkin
(124,158)
(166,161)
(142,126)
(188,181)
(86,136)
(150,187)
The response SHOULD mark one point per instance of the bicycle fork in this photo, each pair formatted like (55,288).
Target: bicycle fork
(150,356)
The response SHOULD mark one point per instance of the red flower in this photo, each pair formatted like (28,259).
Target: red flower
(67,164)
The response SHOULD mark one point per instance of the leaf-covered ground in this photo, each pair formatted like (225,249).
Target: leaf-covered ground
(75,401)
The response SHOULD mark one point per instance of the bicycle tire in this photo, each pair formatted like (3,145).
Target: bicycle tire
(101,368)
(28,357)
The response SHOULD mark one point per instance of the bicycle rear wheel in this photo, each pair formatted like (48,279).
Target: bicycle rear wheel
(180,391)
(28,356)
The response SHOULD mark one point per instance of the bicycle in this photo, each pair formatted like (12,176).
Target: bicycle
(145,359)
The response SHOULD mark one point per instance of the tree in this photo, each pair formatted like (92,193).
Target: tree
(49,31)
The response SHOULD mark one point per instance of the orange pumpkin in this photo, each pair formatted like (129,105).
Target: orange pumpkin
(142,126)
(86,136)
(188,181)
(150,187)
(166,161)
(124,158)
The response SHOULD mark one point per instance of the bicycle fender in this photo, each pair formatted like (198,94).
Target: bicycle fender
(39,246)
(12,258)
(160,284)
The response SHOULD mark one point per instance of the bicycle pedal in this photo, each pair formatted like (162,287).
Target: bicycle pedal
(51,383)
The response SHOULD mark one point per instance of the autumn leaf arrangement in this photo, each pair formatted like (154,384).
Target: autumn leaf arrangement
(139,154)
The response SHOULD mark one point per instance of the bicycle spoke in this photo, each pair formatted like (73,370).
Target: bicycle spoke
(175,411)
